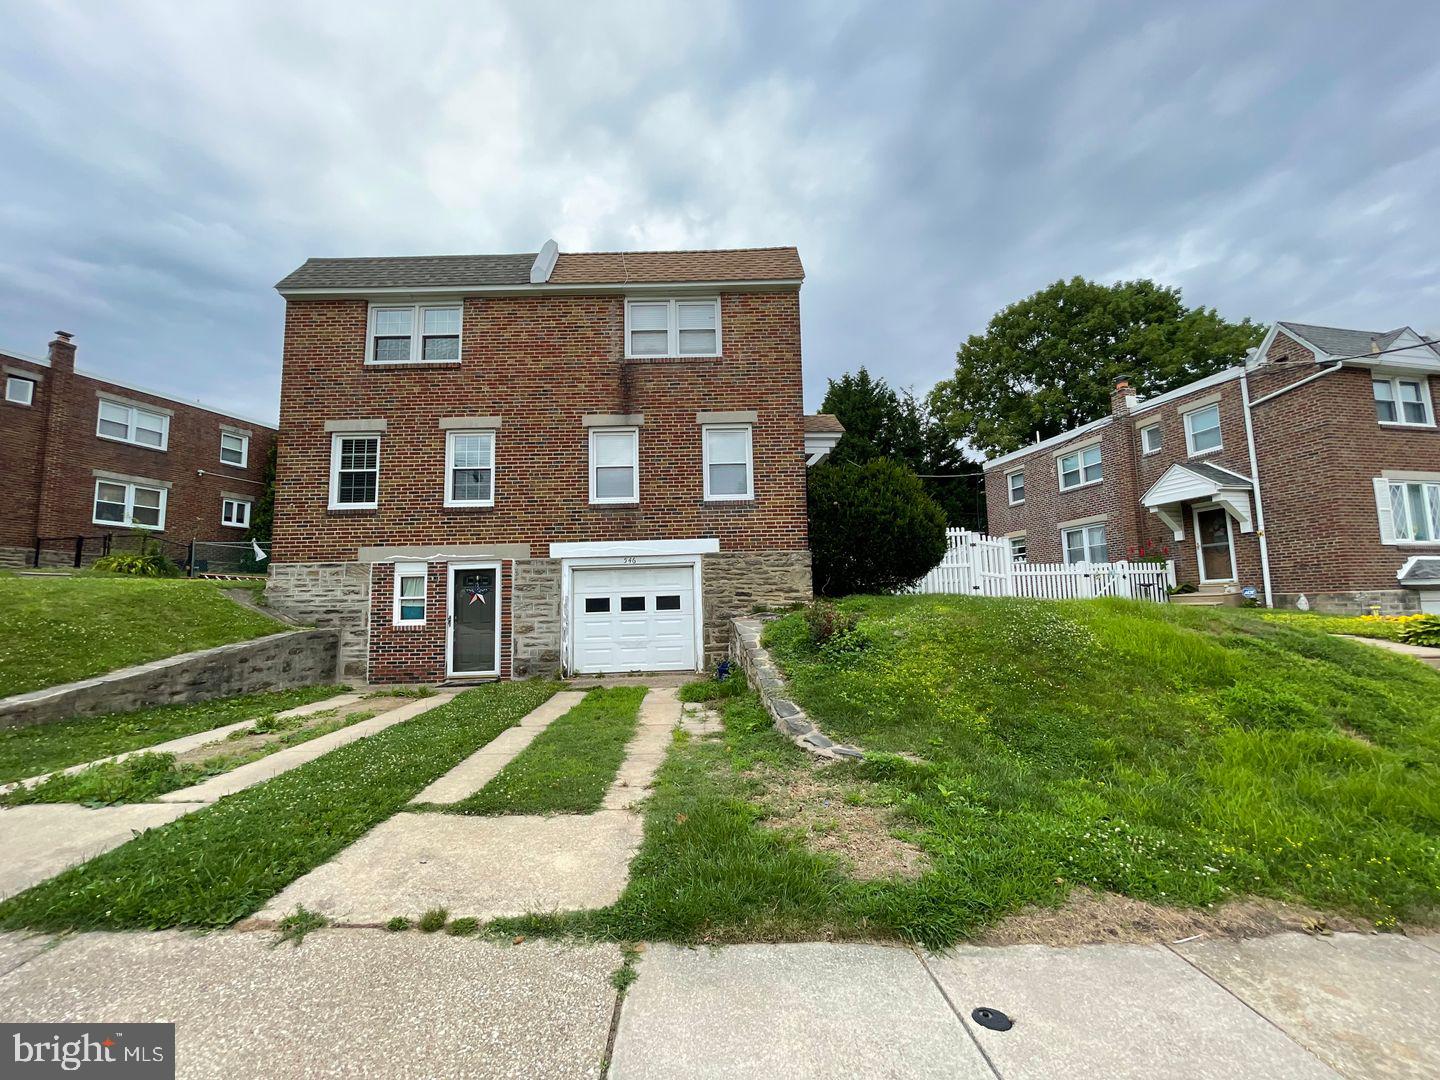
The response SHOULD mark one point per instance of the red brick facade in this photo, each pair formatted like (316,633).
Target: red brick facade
(1318,446)
(51,454)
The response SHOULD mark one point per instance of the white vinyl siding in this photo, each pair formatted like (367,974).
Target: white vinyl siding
(132,424)
(235,513)
(729,470)
(1081,468)
(414,334)
(234,449)
(470,468)
(118,502)
(1409,511)
(19,390)
(410,590)
(1085,543)
(672,328)
(1015,487)
(1202,430)
(354,472)
(614,465)
(1403,401)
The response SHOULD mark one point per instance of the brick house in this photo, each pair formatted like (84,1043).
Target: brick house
(1312,469)
(85,456)
(511,465)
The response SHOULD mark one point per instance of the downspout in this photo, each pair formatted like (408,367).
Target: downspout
(1255,482)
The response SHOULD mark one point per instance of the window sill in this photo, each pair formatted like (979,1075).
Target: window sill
(413,363)
(1022,501)
(1403,424)
(687,356)
(1205,453)
(1087,484)
(128,525)
(711,500)
(232,525)
(469,506)
(131,442)
(614,504)
(408,625)
(369,508)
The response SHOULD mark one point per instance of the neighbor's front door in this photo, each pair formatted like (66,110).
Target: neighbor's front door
(1212,535)
(474,621)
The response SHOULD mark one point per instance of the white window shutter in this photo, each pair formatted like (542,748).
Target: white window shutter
(1383,511)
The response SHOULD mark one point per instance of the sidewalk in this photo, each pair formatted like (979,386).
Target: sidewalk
(375,1004)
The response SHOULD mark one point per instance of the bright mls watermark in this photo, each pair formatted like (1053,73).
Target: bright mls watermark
(113,1051)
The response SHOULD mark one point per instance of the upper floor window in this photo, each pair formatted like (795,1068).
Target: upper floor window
(354,472)
(1086,543)
(1015,483)
(119,502)
(470,468)
(672,328)
(1081,468)
(19,390)
(132,424)
(614,465)
(414,334)
(1415,511)
(1402,401)
(1202,430)
(728,465)
(235,513)
(234,449)
(1151,439)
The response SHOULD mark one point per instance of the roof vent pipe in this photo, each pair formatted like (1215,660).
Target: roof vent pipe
(544,264)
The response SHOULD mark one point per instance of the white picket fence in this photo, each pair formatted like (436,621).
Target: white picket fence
(980,565)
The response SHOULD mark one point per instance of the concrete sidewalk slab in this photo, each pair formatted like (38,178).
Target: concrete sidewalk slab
(20,947)
(281,761)
(40,840)
(1110,1011)
(1369,1005)
(798,1011)
(484,867)
(660,712)
(346,1003)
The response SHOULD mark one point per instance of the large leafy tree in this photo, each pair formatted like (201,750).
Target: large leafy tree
(1048,362)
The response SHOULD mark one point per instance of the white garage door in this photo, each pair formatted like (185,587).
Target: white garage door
(634,618)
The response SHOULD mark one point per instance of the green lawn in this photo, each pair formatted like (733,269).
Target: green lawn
(222,863)
(569,766)
(58,629)
(31,751)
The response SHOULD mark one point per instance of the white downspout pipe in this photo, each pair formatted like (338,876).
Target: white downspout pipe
(1255,482)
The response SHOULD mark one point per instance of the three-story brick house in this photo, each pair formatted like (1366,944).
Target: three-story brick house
(508,465)
(1312,469)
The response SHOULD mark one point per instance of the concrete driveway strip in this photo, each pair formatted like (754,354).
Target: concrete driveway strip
(797,1011)
(1111,1011)
(20,946)
(42,839)
(345,1003)
(1367,1004)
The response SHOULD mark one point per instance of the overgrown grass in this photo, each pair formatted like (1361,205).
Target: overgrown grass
(58,629)
(1382,626)
(43,748)
(221,863)
(714,688)
(569,766)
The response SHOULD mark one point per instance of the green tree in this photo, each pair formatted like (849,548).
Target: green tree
(262,517)
(872,527)
(1048,362)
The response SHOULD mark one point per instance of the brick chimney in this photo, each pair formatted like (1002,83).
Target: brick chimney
(1122,396)
(62,351)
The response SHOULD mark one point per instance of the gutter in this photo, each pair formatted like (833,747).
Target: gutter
(1255,475)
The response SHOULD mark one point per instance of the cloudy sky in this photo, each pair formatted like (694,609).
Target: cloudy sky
(162,165)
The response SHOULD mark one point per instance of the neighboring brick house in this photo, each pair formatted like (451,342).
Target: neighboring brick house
(1312,469)
(86,456)
(509,465)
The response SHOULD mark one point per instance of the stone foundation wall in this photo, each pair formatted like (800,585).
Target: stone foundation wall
(536,618)
(330,595)
(1389,601)
(742,582)
(298,658)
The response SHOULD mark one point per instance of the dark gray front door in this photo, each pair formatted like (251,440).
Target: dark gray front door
(473,622)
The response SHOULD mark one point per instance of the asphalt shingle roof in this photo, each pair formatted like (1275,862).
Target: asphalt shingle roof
(1423,571)
(823,424)
(1339,342)
(1223,477)
(419,271)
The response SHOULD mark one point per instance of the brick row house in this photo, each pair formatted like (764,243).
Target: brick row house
(86,456)
(1312,469)
(511,465)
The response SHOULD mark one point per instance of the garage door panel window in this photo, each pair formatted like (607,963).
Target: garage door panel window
(119,503)
(470,468)
(614,465)
(728,463)
(632,603)
(596,604)
(667,603)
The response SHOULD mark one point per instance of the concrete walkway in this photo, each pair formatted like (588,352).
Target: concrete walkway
(488,867)
(366,1003)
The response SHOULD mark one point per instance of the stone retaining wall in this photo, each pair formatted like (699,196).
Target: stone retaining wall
(740,582)
(297,658)
(331,596)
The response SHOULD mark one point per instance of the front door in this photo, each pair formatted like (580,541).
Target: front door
(1212,537)
(474,621)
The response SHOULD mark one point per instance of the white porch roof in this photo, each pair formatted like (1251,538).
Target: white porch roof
(1199,481)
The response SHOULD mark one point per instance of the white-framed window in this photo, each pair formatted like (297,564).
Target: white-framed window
(235,512)
(354,472)
(1202,430)
(1081,468)
(1403,401)
(1018,548)
(414,334)
(614,465)
(132,424)
(1084,543)
(728,462)
(119,502)
(470,468)
(19,390)
(672,327)
(1015,486)
(1151,439)
(234,449)
(1415,511)
(410,590)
